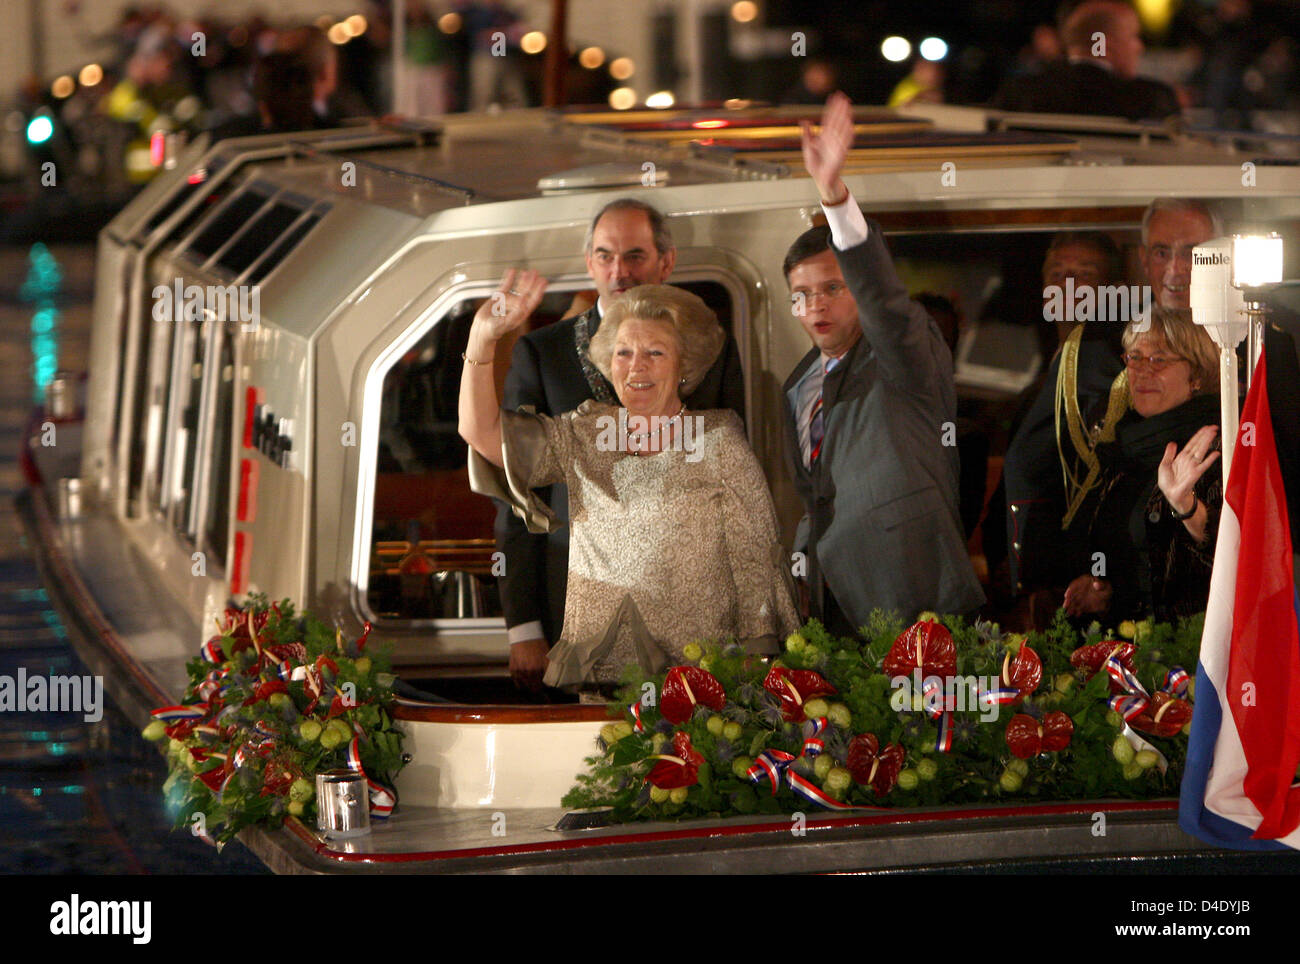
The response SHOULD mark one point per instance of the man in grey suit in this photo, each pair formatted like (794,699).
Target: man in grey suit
(870,417)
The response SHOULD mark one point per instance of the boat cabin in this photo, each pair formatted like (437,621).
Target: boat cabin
(279,320)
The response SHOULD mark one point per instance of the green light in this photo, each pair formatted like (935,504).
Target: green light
(39,130)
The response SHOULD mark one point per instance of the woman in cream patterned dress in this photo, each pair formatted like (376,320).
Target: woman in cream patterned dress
(673,533)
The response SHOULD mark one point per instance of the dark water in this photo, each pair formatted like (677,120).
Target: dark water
(75,797)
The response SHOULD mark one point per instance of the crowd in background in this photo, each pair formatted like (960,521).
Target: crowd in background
(1229,63)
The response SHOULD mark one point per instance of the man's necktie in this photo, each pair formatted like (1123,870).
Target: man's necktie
(817,426)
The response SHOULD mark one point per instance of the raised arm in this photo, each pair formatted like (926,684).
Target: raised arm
(509,307)
(900,332)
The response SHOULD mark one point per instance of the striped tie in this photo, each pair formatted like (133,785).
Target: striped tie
(817,427)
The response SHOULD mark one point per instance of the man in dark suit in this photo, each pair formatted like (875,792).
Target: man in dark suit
(1103,43)
(628,244)
(870,417)
(1035,497)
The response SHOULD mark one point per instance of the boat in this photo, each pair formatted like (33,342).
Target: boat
(270,408)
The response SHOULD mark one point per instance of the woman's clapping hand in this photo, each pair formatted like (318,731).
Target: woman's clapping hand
(1180,471)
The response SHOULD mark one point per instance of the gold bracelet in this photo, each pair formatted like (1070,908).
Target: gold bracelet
(472,361)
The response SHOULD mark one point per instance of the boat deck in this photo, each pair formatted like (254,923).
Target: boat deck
(121,626)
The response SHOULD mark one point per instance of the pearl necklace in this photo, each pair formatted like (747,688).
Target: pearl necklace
(639,437)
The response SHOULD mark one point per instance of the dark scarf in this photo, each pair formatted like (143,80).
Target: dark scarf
(1130,466)
(1140,442)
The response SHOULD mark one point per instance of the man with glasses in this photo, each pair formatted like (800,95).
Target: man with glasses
(870,417)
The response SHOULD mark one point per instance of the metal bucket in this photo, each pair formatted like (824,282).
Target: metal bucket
(342,804)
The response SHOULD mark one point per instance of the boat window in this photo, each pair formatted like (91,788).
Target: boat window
(432,538)
(183,191)
(201,210)
(216,527)
(259,236)
(183,421)
(218,229)
(288,241)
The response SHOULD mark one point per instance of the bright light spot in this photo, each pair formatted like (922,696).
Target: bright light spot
(708,125)
(736,103)
(660,99)
(198,177)
(1155,14)
(39,130)
(356,25)
(895,49)
(63,86)
(591,57)
(90,75)
(622,68)
(533,42)
(449,22)
(157,148)
(932,48)
(621,98)
(743,11)
(187,108)
(338,34)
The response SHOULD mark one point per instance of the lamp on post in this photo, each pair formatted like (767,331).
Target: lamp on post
(1228,278)
(1256,263)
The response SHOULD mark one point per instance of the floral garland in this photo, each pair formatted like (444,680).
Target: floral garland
(272,700)
(941,712)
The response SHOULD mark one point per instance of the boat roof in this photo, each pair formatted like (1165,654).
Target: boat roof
(422,167)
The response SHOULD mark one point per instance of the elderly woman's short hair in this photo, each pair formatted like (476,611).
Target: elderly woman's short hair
(1186,339)
(699,336)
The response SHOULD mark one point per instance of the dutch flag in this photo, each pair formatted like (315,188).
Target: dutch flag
(1239,788)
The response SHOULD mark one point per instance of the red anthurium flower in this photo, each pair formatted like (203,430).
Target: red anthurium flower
(685,686)
(680,769)
(1093,657)
(181,729)
(873,767)
(1028,737)
(290,652)
(927,645)
(214,779)
(1165,715)
(794,688)
(1023,673)
(235,628)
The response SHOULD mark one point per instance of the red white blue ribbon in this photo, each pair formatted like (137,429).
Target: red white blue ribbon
(815,794)
(170,714)
(382,799)
(943,742)
(769,764)
(1128,705)
(637,723)
(1176,682)
(813,745)
(932,698)
(211,652)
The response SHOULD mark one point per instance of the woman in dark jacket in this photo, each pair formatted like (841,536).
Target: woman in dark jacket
(1154,512)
